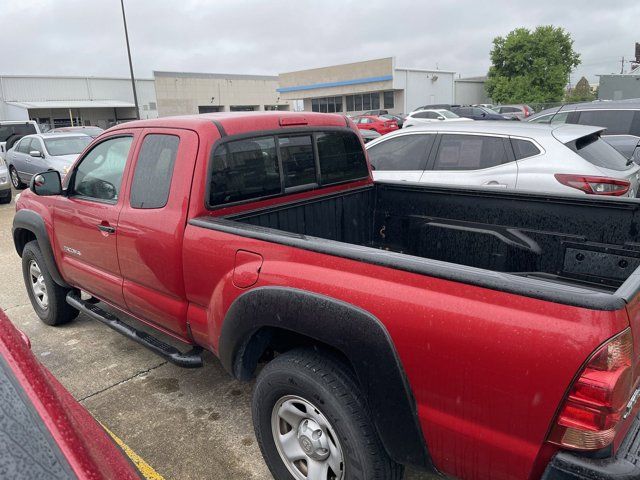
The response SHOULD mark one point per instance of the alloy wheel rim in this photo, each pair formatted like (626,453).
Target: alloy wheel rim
(38,286)
(14,178)
(306,441)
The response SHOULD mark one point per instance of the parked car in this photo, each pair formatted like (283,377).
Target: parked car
(521,112)
(430,116)
(564,159)
(375,113)
(620,118)
(47,151)
(368,135)
(483,334)
(93,132)
(380,125)
(436,106)
(398,117)
(12,131)
(490,106)
(5,184)
(46,433)
(479,113)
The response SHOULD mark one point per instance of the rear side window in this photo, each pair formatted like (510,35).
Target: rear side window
(470,152)
(406,152)
(266,166)
(154,170)
(340,157)
(523,148)
(24,146)
(598,152)
(617,122)
(245,169)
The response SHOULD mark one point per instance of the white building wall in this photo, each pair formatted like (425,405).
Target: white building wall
(470,92)
(422,87)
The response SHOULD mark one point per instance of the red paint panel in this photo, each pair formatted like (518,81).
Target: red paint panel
(488,369)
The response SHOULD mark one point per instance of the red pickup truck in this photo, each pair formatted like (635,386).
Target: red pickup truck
(475,333)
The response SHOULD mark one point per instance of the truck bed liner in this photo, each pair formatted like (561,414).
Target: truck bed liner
(583,248)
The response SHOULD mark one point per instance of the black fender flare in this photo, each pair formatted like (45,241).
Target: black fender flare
(32,221)
(357,334)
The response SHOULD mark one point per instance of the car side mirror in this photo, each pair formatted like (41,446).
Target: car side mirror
(440,117)
(484,114)
(36,153)
(46,183)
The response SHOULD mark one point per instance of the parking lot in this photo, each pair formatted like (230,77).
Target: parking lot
(186,424)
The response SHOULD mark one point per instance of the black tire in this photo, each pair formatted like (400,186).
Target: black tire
(5,197)
(57,311)
(323,380)
(15,179)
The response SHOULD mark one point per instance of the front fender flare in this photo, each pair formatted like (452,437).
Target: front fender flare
(357,334)
(32,221)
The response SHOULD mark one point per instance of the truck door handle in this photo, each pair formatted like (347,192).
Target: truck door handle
(106,228)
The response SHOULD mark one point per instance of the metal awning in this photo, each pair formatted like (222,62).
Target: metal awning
(74,104)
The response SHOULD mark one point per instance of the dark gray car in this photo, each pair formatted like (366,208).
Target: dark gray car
(620,118)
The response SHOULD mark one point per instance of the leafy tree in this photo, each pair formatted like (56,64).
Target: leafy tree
(531,66)
(581,93)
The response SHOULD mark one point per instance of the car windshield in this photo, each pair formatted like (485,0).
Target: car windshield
(67,145)
(599,153)
(21,129)
(448,114)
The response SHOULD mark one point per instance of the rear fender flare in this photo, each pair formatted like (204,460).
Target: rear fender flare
(357,334)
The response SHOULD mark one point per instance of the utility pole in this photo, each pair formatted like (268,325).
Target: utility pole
(133,80)
(622,66)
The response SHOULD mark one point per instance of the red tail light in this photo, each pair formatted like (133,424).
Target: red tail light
(595,185)
(598,399)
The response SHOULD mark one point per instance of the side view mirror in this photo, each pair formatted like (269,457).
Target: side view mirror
(36,153)
(46,183)
(440,117)
(484,114)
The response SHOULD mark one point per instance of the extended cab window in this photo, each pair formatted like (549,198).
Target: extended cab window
(99,175)
(154,171)
(250,169)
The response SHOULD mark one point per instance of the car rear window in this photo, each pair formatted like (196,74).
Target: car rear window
(523,148)
(271,165)
(21,129)
(599,153)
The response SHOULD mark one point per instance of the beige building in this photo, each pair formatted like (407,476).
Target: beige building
(180,93)
(370,85)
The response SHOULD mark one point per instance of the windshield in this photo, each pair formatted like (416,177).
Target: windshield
(448,114)
(599,153)
(66,146)
(9,130)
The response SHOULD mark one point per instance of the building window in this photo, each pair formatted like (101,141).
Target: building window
(388,99)
(326,104)
(363,101)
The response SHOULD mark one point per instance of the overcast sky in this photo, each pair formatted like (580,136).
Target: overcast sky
(86,37)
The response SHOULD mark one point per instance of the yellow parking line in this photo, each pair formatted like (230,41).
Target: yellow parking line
(147,470)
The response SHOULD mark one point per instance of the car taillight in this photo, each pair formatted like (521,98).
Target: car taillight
(598,398)
(594,185)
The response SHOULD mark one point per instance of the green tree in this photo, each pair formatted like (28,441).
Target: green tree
(531,66)
(581,93)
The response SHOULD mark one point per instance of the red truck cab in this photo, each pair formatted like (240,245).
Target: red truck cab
(475,333)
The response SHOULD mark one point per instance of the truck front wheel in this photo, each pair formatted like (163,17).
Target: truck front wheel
(312,423)
(47,297)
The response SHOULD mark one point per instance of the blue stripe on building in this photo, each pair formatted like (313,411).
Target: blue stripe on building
(355,81)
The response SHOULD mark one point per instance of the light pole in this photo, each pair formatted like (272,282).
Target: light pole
(133,80)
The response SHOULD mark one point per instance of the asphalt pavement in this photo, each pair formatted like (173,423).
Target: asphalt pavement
(186,424)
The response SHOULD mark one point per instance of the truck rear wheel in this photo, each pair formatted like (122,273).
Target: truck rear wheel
(47,297)
(312,423)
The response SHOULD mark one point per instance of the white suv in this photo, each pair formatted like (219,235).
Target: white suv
(561,159)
